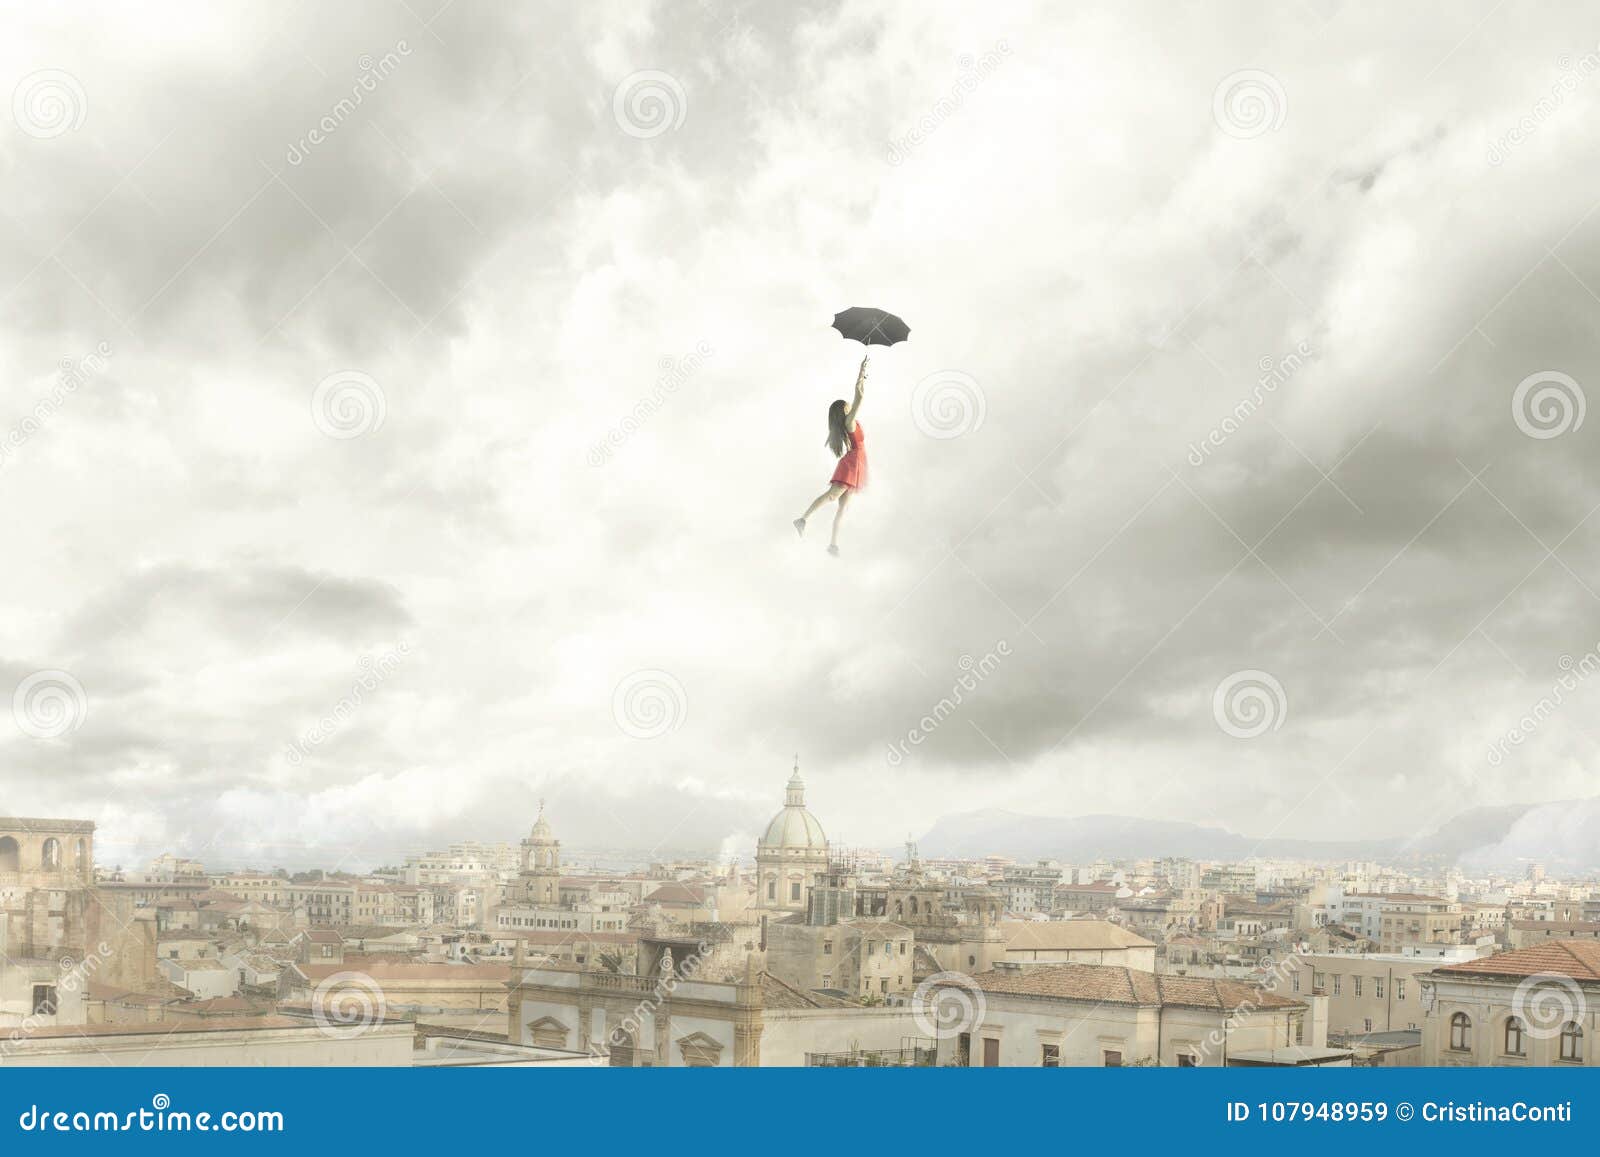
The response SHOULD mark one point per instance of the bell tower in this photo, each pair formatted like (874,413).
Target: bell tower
(541,864)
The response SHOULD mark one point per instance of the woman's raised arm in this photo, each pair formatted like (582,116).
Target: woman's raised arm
(861,390)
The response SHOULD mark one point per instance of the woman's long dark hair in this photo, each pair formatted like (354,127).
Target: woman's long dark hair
(839,439)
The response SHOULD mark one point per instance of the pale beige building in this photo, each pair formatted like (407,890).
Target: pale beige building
(1526,933)
(1532,1006)
(396,986)
(866,957)
(1366,992)
(1076,942)
(671,1021)
(1100,1015)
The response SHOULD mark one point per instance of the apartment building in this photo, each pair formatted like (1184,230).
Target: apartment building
(1366,992)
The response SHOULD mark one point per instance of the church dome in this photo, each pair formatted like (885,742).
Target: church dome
(794,826)
(541,828)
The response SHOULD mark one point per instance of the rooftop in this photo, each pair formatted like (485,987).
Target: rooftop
(215,1024)
(1579,959)
(398,971)
(1109,984)
(1068,935)
(1557,927)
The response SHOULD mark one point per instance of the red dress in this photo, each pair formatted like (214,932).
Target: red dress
(852,468)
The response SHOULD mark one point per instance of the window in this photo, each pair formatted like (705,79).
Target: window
(44,1000)
(1377,987)
(991,1052)
(1295,978)
(1514,1036)
(1318,980)
(1113,1059)
(1336,979)
(1357,979)
(827,980)
(1571,1042)
(1186,1060)
(772,889)
(1368,1022)
(964,1049)
(1399,990)
(827,947)
(883,985)
(1051,1058)
(871,944)
(794,890)
(1460,1033)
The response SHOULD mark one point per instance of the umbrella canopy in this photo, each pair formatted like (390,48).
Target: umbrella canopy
(870,326)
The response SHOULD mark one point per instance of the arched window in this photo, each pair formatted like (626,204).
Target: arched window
(1571,1041)
(10,855)
(1460,1032)
(50,854)
(1514,1036)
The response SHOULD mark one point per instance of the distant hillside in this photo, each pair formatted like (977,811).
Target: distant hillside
(1565,834)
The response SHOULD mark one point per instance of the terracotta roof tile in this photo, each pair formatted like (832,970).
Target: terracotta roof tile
(1579,959)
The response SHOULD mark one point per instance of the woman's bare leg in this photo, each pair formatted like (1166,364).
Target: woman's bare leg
(833,491)
(844,501)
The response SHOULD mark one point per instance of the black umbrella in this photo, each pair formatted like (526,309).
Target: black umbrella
(870,326)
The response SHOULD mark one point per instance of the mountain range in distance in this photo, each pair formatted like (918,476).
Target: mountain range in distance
(1561,835)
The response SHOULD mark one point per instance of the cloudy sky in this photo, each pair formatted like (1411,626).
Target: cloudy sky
(404,405)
